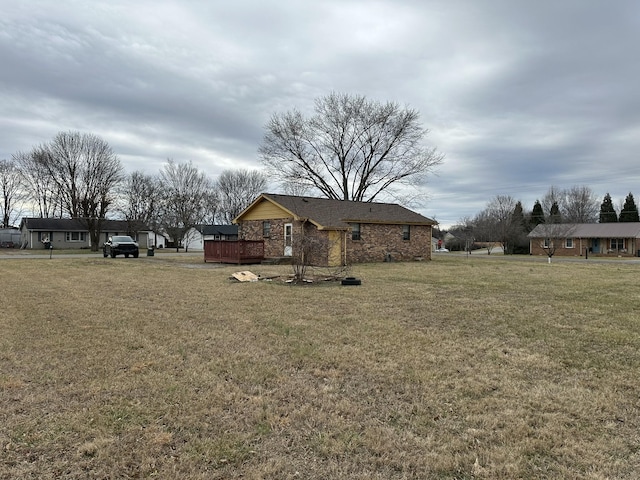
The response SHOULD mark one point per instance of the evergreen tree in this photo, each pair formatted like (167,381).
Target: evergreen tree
(519,243)
(518,216)
(607,212)
(629,211)
(554,214)
(537,215)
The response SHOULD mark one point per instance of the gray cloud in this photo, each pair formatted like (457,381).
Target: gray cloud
(519,96)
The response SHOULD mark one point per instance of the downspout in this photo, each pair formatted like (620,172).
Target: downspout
(344,250)
(302,259)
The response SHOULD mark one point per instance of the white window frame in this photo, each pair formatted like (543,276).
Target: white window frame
(355,232)
(619,246)
(82,237)
(288,239)
(568,243)
(406,233)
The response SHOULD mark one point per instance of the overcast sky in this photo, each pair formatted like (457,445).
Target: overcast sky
(519,95)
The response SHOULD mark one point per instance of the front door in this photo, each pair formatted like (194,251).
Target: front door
(595,245)
(288,241)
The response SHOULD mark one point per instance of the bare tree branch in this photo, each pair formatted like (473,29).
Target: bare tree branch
(11,192)
(186,193)
(236,189)
(350,149)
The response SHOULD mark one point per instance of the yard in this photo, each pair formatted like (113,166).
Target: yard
(456,368)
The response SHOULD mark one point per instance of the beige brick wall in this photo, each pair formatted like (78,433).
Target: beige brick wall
(376,241)
(274,244)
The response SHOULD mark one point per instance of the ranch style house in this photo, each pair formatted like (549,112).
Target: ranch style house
(72,233)
(332,232)
(601,239)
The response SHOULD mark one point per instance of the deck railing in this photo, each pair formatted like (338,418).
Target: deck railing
(234,251)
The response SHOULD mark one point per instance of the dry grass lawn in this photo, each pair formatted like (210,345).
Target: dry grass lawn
(455,368)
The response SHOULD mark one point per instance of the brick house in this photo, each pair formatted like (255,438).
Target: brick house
(602,239)
(335,232)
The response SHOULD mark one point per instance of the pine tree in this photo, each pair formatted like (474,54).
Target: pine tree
(537,214)
(607,212)
(629,211)
(518,216)
(519,243)
(554,214)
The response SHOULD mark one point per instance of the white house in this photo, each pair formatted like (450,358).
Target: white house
(195,237)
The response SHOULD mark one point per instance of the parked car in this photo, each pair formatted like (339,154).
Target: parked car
(120,245)
(442,250)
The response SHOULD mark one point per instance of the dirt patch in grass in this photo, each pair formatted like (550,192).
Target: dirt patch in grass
(447,369)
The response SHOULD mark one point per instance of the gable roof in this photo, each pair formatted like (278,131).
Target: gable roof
(228,230)
(327,213)
(77,225)
(592,230)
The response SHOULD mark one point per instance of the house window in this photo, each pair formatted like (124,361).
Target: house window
(547,243)
(406,232)
(568,243)
(75,236)
(266,229)
(617,244)
(355,231)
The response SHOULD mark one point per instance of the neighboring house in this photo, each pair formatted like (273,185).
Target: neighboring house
(195,237)
(335,232)
(157,239)
(619,238)
(65,233)
(9,237)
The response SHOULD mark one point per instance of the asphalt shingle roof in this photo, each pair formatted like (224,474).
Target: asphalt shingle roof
(77,225)
(593,230)
(227,230)
(330,213)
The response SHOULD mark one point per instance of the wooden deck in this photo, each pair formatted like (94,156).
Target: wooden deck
(234,251)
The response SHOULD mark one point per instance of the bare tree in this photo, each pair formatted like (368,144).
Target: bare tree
(465,232)
(140,201)
(486,230)
(352,148)
(500,209)
(310,251)
(212,206)
(11,192)
(40,188)
(236,189)
(579,205)
(86,173)
(295,188)
(186,192)
(553,195)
